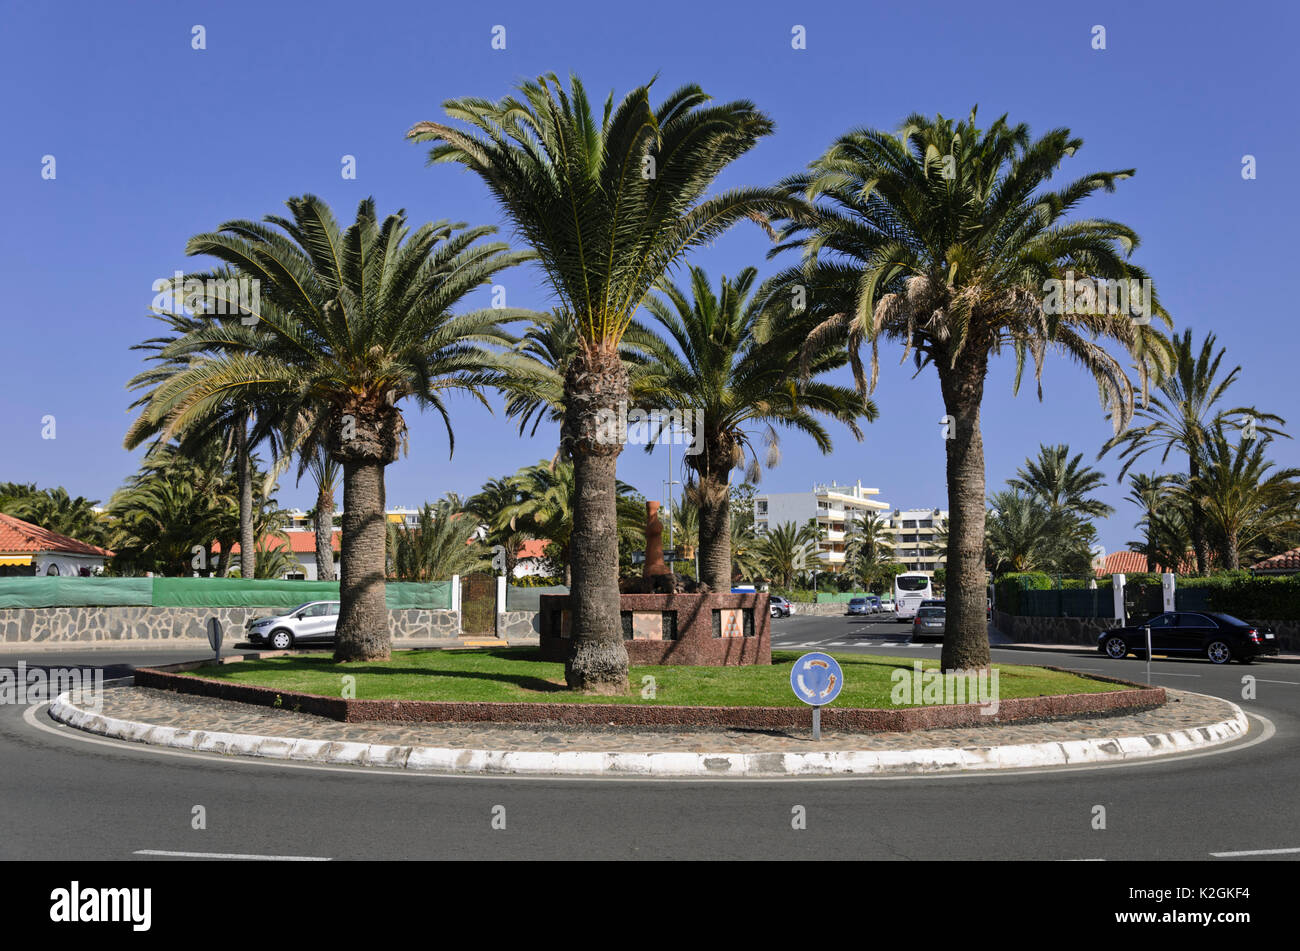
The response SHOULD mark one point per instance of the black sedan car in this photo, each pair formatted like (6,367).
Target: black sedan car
(1220,637)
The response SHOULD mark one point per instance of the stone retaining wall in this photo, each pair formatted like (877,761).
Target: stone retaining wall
(86,624)
(518,624)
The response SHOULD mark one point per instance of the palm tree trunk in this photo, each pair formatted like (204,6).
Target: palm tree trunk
(1200,544)
(324,535)
(247,544)
(966,640)
(362,631)
(715,531)
(594,381)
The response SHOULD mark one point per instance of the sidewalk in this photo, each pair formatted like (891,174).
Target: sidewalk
(1187,722)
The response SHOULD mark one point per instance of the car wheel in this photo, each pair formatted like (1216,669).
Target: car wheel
(1116,648)
(281,639)
(1219,652)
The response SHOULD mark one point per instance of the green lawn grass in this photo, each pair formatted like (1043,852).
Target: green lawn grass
(518,674)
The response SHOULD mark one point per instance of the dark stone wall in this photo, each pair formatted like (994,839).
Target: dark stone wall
(699,639)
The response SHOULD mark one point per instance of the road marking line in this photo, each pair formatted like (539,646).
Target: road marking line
(232,855)
(1157,673)
(1229,855)
(1294,683)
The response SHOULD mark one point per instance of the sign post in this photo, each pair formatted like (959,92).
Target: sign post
(1148,629)
(817,680)
(215,636)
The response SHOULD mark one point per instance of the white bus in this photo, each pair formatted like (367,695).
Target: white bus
(910,589)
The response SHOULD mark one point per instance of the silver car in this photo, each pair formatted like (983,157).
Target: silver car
(930,621)
(312,621)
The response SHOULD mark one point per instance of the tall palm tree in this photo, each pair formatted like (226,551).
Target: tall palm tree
(1241,499)
(1148,492)
(326,473)
(711,366)
(945,239)
(1062,483)
(352,321)
(1185,416)
(609,205)
(238,425)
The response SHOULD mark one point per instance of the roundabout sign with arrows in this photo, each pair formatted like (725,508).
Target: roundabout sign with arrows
(817,680)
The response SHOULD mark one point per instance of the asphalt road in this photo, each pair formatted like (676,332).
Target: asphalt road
(67,795)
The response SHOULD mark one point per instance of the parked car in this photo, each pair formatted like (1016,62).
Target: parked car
(1220,637)
(931,618)
(780,607)
(859,606)
(873,600)
(312,621)
(886,602)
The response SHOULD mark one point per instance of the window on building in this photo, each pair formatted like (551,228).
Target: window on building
(909,523)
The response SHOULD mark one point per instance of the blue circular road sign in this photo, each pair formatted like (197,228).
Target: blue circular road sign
(816,679)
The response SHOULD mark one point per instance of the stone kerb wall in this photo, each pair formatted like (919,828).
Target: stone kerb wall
(95,624)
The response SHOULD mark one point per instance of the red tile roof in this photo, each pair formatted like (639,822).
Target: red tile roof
(533,548)
(300,542)
(19,536)
(1135,562)
(1288,561)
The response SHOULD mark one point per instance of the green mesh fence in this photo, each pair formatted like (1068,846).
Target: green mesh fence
(56,592)
(53,592)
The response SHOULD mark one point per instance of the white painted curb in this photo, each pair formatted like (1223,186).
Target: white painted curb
(577,763)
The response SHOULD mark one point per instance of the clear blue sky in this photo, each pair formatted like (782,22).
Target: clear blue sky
(155,141)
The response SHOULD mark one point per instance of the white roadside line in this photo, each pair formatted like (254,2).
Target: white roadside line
(1233,855)
(1293,683)
(233,855)
(76,735)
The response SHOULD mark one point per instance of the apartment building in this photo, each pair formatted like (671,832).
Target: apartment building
(914,534)
(834,506)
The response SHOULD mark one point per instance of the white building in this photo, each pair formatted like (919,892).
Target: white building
(913,533)
(834,506)
(29,550)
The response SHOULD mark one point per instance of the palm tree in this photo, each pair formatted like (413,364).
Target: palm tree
(173,508)
(943,238)
(1184,416)
(236,425)
(1020,533)
(711,367)
(351,323)
(55,510)
(784,550)
(443,543)
(1062,483)
(868,544)
(1148,492)
(609,205)
(547,508)
(1241,500)
(487,505)
(326,473)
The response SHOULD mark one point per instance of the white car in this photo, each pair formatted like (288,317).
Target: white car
(312,621)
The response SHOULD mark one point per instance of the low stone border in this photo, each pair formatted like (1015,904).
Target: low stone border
(617,764)
(846,719)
